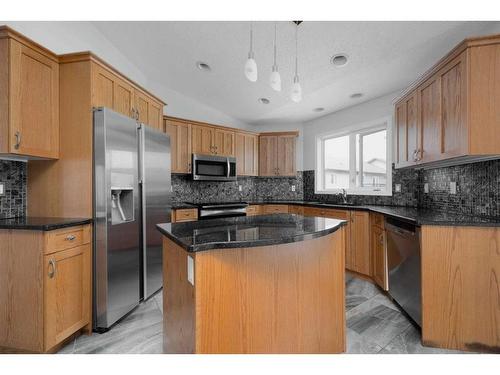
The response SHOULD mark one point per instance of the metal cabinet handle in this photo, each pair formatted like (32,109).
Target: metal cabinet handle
(414,155)
(419,154)
(137,113)
(70,237)
(18,140)
(52,268)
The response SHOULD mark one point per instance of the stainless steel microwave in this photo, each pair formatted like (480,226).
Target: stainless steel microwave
(213,168)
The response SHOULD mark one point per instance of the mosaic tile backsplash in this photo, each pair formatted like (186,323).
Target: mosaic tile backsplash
(13,176)
(478,189)
(252,188)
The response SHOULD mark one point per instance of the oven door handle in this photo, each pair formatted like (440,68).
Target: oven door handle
(228,167)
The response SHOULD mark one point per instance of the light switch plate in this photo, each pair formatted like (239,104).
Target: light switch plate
(2,192)
(190,270)
(240,188)
(397,187)
(426,188)
(293,187)
(453,187)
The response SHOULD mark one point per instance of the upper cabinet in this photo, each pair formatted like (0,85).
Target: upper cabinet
(180,144)
(450,113)
(115,92)
(247,154)
(210,140)
(29,98)
(277,154)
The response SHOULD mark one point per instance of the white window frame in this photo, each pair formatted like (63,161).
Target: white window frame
(363,129)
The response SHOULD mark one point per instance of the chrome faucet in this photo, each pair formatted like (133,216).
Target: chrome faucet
(344,195)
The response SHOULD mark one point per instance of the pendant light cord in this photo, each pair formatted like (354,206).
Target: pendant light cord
(275,44)
(296,50)
(251,39)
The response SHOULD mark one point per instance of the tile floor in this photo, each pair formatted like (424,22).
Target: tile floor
(374,325)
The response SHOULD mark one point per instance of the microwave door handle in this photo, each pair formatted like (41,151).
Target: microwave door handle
(228,168)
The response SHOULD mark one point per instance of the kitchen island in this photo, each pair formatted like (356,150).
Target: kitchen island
(262,284)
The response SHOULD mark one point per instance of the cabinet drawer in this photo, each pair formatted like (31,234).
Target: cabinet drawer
(186,214)
(326,212)
(66,238)
(275,209)
(253,210)
(298,210)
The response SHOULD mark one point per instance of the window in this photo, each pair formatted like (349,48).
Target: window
(357,161)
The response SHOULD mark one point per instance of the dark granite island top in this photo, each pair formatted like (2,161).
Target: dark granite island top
(248,231)
(41,223)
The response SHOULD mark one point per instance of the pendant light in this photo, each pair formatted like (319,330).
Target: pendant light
(296,88)
(251,65)
(275,78)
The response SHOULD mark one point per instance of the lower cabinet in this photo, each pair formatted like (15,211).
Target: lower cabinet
(275,209)
(46,288)
(360,242)
(184,214)
(253,210)
(379,251)
(67,293)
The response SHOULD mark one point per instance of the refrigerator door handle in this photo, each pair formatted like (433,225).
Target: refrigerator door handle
(142,183)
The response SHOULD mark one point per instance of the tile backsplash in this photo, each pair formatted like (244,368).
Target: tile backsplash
(13,177)
(477,189)
(252,188)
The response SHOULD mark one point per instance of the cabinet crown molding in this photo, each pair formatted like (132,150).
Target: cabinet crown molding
(6,32)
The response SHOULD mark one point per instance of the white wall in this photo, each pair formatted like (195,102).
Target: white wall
(288,127)
(344,119)
(67,37)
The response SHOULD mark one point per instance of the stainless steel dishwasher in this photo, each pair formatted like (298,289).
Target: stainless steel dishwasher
(404,266)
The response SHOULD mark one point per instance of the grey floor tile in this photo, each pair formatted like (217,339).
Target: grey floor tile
(409,342)
(358,344)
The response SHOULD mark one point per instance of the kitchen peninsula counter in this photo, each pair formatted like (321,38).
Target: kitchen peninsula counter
(264,284)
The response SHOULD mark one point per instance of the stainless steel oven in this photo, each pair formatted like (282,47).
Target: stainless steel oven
(213,168)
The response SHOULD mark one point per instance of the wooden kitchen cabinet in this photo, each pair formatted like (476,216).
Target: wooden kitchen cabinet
(49,291)
(379,251)
(111,91)
(208,140)
(360,242)
(456,118)
(180,145)
(184,214)
(277,154)
(247,154)
(29,98)
(253,210)
(274,209)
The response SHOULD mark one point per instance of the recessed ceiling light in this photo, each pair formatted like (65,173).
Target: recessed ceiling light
(264,100)
(203,66)
(356,95)
(318,109)
(339,60)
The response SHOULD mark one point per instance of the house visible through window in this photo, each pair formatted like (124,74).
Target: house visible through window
(357,161)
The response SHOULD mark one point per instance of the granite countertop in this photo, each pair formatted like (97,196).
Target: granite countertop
(248,231)
(41,223)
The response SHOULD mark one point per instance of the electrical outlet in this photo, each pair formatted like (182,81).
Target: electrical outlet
(2,192)
(293,187)
(171,189)
(240,188)
(426,188)
(397,187)
(453,187)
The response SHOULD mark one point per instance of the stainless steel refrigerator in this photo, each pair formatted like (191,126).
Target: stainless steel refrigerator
(131,195)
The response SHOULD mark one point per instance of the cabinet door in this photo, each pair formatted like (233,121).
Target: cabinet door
(286,156)
(453,107)
(223,142)
(142,107)
(67,293)
(201,140)
(246,152)
(268,160)
(430,121)
(34,104)
(379,257)
(123,97)
(401,134)
(180,145)
(155,113)
(360,242)
(103,83)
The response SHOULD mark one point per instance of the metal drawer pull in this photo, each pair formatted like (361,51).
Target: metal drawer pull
(52,268)
(70,237)
(18,140)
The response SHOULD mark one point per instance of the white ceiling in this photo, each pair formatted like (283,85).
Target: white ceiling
(383,57)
